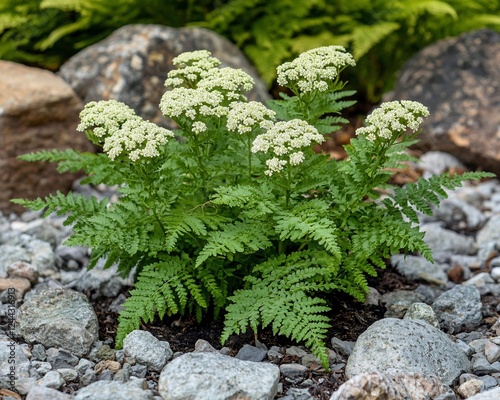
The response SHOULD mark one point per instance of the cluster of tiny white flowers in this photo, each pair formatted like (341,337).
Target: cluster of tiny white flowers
(199,127)
(192,103)
(191,67)
(393,117)
(232,82)
(244,117)
(283,139)
(314,69)
(122,130)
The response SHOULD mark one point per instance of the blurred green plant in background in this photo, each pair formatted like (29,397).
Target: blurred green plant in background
(381,34)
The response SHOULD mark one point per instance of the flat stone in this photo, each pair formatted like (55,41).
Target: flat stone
(251,353)
(293,370)
(201,376)
(416,345)
(59,318)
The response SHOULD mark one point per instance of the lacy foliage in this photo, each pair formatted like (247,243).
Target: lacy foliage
(206,231)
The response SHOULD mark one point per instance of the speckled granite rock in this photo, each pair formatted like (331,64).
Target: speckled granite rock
(131,65)
(458,79)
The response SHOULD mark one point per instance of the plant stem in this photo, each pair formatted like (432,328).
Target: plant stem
(249,145)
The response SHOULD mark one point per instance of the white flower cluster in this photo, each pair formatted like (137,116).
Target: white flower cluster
(232,82)
(121,130)
(314,69)
(192,103)
(244,117)
(283,139)
(393,117)
(191,66)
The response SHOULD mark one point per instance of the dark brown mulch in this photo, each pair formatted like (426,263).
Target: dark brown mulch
(348,319)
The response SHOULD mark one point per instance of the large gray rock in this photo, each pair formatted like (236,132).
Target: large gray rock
(38,110)
(459,308)
(59,318)
(200,376)
(111,390)
(131,65)
(392,385)
(408,345)
(458,79)
(147,350)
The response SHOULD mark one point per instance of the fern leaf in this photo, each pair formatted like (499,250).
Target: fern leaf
(239,237)
(161,288)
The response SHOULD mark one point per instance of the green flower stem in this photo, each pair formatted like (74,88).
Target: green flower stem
(249,153)
(201,165)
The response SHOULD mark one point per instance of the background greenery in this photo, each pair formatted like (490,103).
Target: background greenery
(382,34)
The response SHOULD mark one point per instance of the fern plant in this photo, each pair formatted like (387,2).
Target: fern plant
(236,214)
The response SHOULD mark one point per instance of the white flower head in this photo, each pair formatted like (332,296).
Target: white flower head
(283,140)
(121,131)
(192,104)
(233,83)
(315,69)
(245,117)
(393,118)
(190,68)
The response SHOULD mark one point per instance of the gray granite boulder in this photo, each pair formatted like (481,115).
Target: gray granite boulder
(201,376)
(408,345)
(458,79)
(131,65)
(59,318)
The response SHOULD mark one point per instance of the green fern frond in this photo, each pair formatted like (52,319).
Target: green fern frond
(161,288)
(419,195)
(309,221)
(240,237)
(278,298)
(75,205)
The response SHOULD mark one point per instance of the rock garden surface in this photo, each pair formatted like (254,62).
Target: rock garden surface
(426,330)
